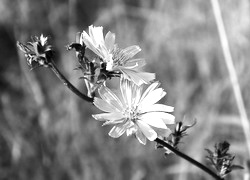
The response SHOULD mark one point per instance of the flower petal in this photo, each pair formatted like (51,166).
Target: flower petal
(153,120)
(141,137)
(135,63)
(132,130)
(117,131)
(104,105)
(108,116)
(86,39)
(118,121)
(147,130)
(165,117)
(110,97)
(153,97)
(169,118)
(149,89)
(137,77)
(131,51)
(110,41)
(96,34)
(125,91)
(136,91)
(157,108)
(131,93)
(146,76)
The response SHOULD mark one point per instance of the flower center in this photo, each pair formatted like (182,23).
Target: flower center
(131,114)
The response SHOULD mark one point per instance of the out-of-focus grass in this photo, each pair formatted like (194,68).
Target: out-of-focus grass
(46,132)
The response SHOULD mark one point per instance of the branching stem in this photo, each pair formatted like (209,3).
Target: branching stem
(53,67)
(189,159)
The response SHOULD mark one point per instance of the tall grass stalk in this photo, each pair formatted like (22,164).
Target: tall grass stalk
(232,71)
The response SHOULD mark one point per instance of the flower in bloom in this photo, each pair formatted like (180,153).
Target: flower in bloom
(116,59)
(134,112)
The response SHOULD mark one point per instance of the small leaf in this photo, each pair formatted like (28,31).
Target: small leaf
(209,152)
(78,68)
(236,167)
(23,47)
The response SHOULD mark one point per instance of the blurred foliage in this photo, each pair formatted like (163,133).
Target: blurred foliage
(46,132)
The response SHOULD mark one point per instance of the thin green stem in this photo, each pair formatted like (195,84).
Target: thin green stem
(189,159)
(53,67)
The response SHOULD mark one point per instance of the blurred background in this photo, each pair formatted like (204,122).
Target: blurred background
(47,132)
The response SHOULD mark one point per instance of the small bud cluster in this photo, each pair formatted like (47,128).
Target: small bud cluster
(221,160)
(175,138)
(94,70)
(38,52)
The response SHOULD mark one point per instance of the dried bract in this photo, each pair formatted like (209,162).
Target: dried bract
(221,160)
(38,52)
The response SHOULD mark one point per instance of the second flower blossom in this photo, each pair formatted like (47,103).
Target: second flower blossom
(134,112)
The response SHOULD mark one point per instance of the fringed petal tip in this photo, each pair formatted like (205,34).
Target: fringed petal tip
(94,116)
(97,117)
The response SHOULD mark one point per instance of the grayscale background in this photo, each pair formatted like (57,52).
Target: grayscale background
(47,132)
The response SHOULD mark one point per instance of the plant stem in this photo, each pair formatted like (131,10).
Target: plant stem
(53,67)
(189,159)
(232,72)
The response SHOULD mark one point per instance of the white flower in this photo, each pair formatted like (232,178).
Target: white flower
(132,112)
(100,46)
(116,59)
